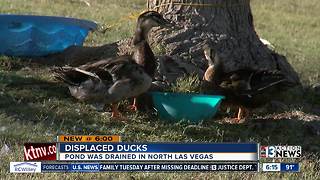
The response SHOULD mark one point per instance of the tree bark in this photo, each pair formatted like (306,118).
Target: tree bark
(226,24)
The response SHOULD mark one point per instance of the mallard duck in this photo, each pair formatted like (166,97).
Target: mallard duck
(143,54)
(112,80)
(246,88)
(213,73)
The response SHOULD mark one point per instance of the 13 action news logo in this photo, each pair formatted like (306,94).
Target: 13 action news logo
(280,151)
(25,167)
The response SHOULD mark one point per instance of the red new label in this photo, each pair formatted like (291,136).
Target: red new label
(40,151)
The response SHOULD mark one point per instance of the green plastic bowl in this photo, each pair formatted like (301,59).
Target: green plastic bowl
(189,106)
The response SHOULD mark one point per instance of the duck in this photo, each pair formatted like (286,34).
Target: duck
(245,88)
(143,54)
(111,80)
(212,75)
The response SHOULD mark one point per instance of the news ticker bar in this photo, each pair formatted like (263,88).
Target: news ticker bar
(280,167)
(93,138)
(157,152)
(38,167)
(28,167)
(140,152)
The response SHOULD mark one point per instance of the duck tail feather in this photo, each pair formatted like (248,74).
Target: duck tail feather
(87,73)
(72,76)
(63,74)
(271,84)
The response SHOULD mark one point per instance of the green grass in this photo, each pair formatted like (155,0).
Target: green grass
(35,108)
(292,26)
(188,84)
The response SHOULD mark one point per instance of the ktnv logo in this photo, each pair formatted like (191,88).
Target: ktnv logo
(280,151)
(25,167)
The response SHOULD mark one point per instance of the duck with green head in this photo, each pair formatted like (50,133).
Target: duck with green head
(109,81)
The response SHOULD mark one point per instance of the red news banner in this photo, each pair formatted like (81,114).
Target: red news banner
(40,151)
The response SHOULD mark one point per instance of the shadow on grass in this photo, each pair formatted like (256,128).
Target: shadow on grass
(28,99)
(12,84)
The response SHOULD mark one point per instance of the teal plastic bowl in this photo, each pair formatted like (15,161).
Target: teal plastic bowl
(189,106)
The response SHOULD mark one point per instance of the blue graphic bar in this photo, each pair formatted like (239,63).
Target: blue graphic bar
(289,167)
(149,167)
(159,147)
(76,167)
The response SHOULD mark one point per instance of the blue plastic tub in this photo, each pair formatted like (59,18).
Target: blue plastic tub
(26,35)
(192,107)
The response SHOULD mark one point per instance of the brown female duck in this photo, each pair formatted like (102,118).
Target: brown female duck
(112,80)
(143,54)
(246,88)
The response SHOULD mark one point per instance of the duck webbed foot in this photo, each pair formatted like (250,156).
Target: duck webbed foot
(116,113)
(243,114)
(133,107)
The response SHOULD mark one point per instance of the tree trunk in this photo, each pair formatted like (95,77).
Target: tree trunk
(226,24)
